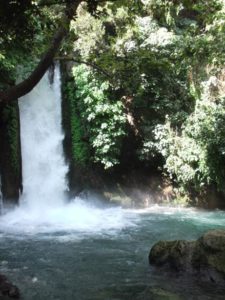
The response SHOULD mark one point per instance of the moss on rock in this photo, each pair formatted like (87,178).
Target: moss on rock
(206,256)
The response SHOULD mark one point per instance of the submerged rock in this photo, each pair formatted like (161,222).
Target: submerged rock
(205,257)
(7,289)
(176,254)
(158,294)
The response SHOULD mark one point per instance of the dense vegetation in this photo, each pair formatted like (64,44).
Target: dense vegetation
(147,81)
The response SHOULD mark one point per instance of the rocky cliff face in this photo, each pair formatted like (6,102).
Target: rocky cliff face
(10,153)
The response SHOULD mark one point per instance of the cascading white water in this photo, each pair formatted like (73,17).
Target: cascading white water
(42,205)
(44,168)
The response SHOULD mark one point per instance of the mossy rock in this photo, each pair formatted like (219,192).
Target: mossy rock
(160,252)
(173,253)
(213,240)
(212,248)
(205,257)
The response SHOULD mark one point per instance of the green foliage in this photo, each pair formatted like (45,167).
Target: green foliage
(159,54)
(104,118)
(25,29)
(156,64)
(90,32)
(80,147)
(184,13)
(195,156)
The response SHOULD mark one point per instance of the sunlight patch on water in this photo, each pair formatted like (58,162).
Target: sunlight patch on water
(195,215)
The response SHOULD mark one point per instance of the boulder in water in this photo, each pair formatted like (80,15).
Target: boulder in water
(205,257)
(175,254)
(7,289)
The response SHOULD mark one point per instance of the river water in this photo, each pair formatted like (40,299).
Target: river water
(80,250)
(85,252)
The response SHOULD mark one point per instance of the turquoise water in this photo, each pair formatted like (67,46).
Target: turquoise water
(101,259)
(81,251)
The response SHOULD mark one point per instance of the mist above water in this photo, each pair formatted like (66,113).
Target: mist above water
(44,206)
(53,248)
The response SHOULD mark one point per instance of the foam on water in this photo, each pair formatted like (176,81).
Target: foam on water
(76,216)
(78,219)
(43,205)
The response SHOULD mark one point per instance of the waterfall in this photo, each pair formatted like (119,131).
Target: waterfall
(42,205)
(44,169)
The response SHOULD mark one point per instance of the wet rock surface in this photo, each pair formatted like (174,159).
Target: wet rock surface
(7,289)
(204,257)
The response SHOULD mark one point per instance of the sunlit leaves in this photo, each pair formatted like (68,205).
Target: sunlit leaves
(104,117)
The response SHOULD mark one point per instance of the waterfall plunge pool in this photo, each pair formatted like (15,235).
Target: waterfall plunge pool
(83,252)
(80,251)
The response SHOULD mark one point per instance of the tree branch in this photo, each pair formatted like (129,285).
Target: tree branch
(87,63)
(50,2)
(28,84)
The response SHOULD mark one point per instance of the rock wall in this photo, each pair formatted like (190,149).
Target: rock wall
(74,171)
(10,153)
